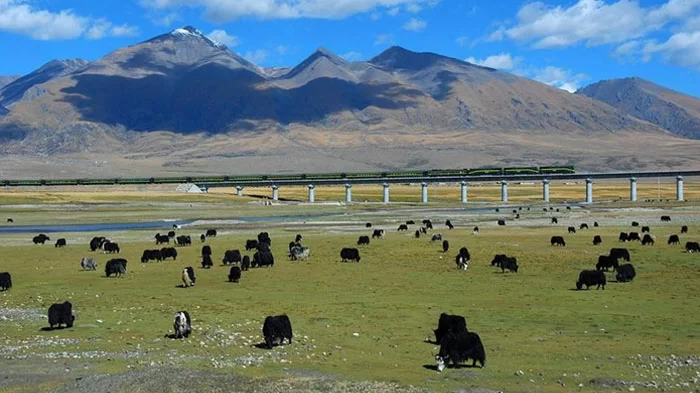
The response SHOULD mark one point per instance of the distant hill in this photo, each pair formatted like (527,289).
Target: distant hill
(180,102)
(669,109)
(5,80)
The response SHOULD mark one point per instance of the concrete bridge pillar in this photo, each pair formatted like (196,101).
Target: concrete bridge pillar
(312,195)
(386,192)
(239,191)
(504,191)
(679,188)
(545,190)
(275,193)
(633,189)
(589,190)
(464,191)
(424,193)
(348,193)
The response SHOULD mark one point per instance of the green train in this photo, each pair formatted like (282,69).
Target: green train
(535,170)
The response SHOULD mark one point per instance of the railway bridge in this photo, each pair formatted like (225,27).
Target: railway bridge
(462,181)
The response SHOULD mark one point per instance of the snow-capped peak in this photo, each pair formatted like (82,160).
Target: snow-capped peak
(193,32)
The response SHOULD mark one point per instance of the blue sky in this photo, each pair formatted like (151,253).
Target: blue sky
(567,44)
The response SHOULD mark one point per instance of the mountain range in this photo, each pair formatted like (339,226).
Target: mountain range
(181,102)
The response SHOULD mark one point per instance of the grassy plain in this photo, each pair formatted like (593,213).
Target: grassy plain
(365,321)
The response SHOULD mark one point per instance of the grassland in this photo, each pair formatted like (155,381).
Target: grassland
(358,322)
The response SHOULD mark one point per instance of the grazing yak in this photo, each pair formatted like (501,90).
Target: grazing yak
(475,231)
(184,240)
(583,226)
(231,257)
(666,218)
(245,263)
(264,237)
(202,238)
(88,263)
(276,329)
(557,241)
(645,229)
(691,247)
(590,278)
(40,239)
(210,233)
(161,239)
(61,314)
(635,224)
(110,248)
(555,220)
(436,237)
(188,278)
(207,263)
(263,247)
(10,221)
(299,253)
(428,224)
(402,227)
(445,246)
(620,253)
(171,234)
(572,230)
(648,240)
(606,262)
(298,238)
(684,229)
(206,250)
(350,254)
(251,244)
(363,240)
(234,275)
(293,244)
(368,225)
(625,273)
(457,348)
(595,224)
(449,324)
(151,255)
(410,222)
(115,266)
(634,236)
(97,242)
(423,230)
(182,324)
(597,240)
(168,252)
(60,243)
(449,225)
(501,223)
(510,264)
(417,234)
(263,258)
(463,258)
(5,281)
(378,233)
(674,239)
(623,237)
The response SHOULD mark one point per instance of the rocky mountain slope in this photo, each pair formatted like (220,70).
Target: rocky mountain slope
(671,110)
(181,100)
(6,80)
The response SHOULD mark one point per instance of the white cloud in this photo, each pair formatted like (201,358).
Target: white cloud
(393,11)
(384,39)
(414,8)
(375,16)
(282,49)
(352,56)
(166,19)
(682,49)
(592,22)
(416,25)
(257,56)
(502,61)
(221,10)
(462,41)
(102,28)
(21,17)
(222,37)
(558,77)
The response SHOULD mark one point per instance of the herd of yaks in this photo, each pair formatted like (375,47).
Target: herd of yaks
(457,344)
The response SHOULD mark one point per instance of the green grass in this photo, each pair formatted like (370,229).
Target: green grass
(530,321)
